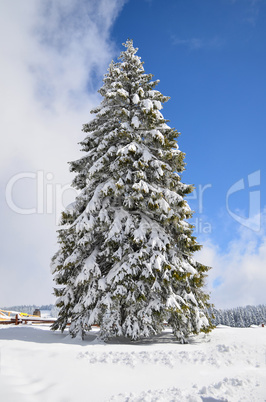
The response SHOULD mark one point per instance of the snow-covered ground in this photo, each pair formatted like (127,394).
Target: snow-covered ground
(37,365)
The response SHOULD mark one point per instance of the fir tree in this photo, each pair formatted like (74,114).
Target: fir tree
(125,259)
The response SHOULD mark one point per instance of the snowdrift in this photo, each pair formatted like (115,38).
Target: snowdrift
(39,365)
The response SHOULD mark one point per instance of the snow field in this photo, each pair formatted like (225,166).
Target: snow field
(39,365)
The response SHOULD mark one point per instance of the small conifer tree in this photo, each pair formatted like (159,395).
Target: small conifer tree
(125,258)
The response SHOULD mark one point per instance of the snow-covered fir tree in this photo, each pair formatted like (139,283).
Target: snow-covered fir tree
(126,249)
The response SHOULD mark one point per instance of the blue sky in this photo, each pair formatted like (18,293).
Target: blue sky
(210,58)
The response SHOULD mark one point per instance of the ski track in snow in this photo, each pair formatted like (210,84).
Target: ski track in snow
(173,358)
(37,365)
(229,389)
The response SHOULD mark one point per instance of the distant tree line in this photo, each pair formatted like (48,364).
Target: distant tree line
(235,317)
(240,316)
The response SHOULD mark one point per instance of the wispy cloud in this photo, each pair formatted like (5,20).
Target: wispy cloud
(238,276)
(74,38)
(199,43)
(51,54)
(251,10)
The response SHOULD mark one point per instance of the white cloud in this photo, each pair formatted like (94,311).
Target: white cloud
(199,43)
(250,10)
(51,54)
(238,274)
